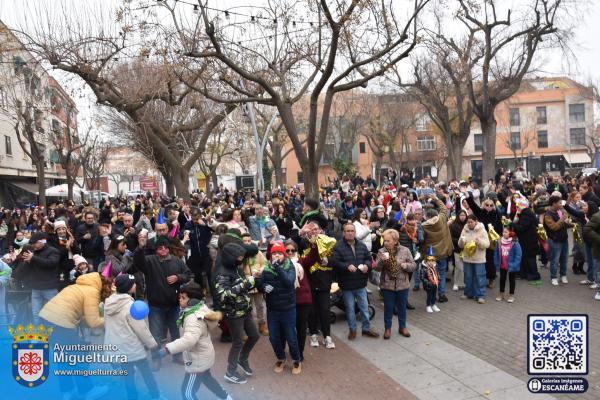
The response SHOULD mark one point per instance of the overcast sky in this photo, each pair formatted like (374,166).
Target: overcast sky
(585,67)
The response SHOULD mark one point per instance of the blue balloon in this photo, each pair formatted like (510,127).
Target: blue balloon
(139,310)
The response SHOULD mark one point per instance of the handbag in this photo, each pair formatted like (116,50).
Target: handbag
(375,277)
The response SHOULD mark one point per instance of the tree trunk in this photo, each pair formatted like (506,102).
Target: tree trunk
(180,180)
(41,181)
(488,130)
(377,176)
(69,186)
(311,181)
(169,186)
(215,181)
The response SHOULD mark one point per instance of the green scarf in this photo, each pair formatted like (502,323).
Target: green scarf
(305,216)
(188,311)
(233,235)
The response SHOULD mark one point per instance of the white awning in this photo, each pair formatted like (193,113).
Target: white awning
(578,158)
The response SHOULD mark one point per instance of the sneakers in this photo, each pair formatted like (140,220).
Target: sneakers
(481,300)
(593,286)
(296,368)
(554,282)
(329,343)
(597,296)
(314,341)
(455,288)
(279,366)
(563,279)
(500,297)
(429,309)
(511,299)
(586,282)
(234,378)
(245,367)
(536,283)
(435,308)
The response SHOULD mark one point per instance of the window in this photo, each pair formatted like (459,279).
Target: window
(421,123)
(542,138)
(362,147)
(7,146)
(478,140)
(515,117)
(515,140)
(576,112)
(541,115)
(300,177)
(577,136)
(426,143)
(328,153)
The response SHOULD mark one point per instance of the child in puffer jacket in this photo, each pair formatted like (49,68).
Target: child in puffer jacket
(195,322)
(507,259)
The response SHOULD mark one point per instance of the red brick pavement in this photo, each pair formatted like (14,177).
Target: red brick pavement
(341,373)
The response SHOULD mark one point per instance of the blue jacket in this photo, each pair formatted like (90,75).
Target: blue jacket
(282,277)
(514,257)
(254,227)
(343,256)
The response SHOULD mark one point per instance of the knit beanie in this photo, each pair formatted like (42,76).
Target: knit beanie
(124,283)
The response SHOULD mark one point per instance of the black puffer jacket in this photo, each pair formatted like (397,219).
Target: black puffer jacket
(456,228)
(526,230)
(486,217)
(231,284)
(44,268)
(343,256)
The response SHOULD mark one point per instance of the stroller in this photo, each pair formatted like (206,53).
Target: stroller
(336,300)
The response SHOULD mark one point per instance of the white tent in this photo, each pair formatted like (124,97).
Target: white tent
(62,191)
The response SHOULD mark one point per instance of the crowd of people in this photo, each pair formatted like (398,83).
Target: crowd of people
(266,266)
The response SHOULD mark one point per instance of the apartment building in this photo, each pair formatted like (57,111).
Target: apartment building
(24,81)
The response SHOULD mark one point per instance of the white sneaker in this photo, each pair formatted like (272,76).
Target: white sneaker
(435,308)
(314,341)
(429,309)
(563,279)
(554,282)
(586,282)
(593,286)
(455,288)
(329,343)
(597,296)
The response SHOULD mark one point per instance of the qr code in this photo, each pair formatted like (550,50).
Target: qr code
(557,344)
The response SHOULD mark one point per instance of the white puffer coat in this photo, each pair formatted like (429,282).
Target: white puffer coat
(469,235)
(195,342)
(131,336)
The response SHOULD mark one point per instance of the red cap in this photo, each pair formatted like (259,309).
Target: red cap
(278,247)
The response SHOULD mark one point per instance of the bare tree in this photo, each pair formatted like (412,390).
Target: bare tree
(345,47)
(68,145)
(98,49)
(94,162)
(501,52)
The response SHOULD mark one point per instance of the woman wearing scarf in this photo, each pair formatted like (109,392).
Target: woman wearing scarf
(395,263)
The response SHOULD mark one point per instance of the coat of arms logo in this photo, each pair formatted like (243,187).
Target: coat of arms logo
(30,354)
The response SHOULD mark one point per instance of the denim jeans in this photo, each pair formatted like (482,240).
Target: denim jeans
(162,319)
(38,299)
(442,267)
(591,263)
(391,299)
(349,297)
(282,329)
(559,256)
(475,280)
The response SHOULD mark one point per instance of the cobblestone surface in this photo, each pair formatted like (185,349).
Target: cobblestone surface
(497,331)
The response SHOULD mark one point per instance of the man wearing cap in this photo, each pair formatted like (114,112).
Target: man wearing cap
(43,272)
(164,275)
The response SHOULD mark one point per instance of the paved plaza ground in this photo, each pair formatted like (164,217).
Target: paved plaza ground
(467,351)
